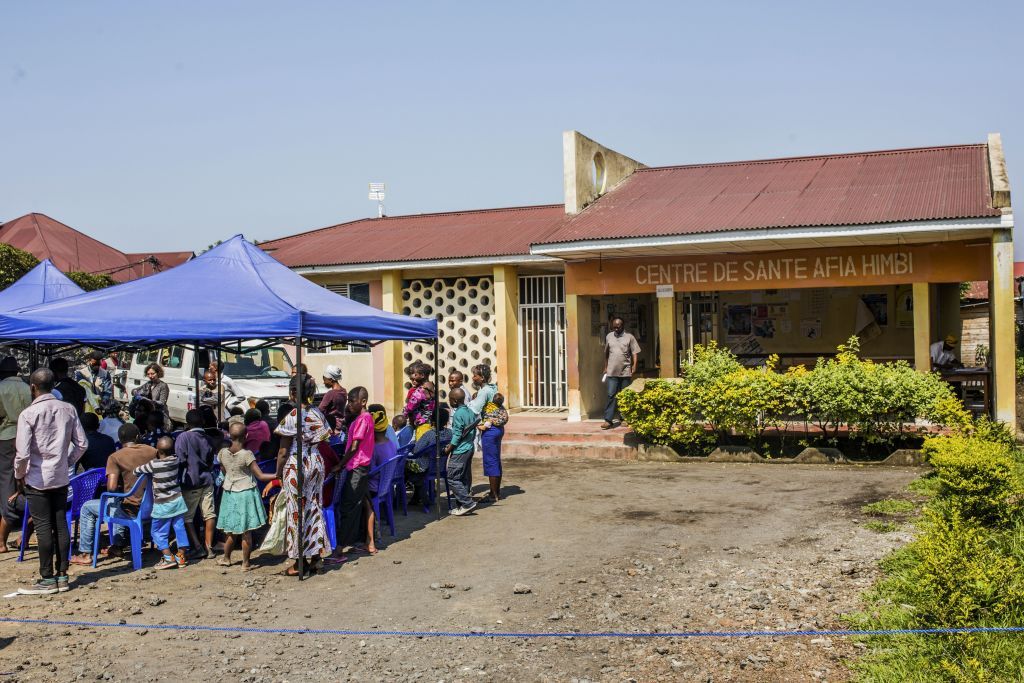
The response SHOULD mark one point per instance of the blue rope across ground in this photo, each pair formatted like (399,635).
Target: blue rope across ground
(503,634)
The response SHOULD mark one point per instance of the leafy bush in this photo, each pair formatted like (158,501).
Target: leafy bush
(663,413)
(748,400)
(977,478)
(955,574)
(1020,368)
(13,264)
(90,281)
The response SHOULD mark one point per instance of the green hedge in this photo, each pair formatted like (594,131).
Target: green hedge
(964,568)
(876,401)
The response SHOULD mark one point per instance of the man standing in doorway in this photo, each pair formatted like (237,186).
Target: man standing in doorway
(621,355)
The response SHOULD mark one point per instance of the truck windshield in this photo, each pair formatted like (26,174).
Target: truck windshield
(272,362)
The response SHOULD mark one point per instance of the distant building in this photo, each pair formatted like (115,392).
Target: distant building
(71,250)
(787,256)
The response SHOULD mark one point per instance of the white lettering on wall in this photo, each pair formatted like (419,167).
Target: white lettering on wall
(782,269)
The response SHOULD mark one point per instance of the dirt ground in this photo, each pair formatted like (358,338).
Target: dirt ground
(599,545)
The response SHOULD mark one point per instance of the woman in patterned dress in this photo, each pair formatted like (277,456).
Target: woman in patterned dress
(314,544)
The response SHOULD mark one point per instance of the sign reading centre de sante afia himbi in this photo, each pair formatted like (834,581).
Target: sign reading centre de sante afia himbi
(949,262)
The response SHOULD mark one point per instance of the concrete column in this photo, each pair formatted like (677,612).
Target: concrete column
(1001,323)
(506,323)
(667,336)
(922,326)
(394,375)
(572,357)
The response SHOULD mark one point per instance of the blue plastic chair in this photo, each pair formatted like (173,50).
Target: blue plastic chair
(385,490)
(399,481)
(136,524)
(81,488)
(268,466)
(23,543)
(432,473)
(330,507)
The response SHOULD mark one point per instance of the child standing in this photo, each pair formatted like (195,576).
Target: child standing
(168,504)
(492,430)
(241,508)
(460,452)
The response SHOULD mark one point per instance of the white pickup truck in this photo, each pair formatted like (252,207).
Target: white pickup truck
(260,373)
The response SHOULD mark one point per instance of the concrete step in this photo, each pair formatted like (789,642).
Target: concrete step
(518,447)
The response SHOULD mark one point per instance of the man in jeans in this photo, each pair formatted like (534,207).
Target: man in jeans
(50,440)
(14,398)
(120,479)
(621,354)
(460,452)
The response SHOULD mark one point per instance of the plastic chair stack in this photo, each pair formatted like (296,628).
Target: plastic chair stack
(136,524)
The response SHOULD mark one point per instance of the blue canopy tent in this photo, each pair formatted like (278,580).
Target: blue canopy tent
(231,293)
(42,284)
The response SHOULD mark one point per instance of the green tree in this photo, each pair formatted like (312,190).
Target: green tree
(14,263)
(90,281)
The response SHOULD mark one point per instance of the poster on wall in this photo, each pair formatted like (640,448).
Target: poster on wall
(737,321)
(878,304)
(905,307)
(810,329)
(763,327)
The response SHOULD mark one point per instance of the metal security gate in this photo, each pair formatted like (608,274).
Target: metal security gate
(542,341)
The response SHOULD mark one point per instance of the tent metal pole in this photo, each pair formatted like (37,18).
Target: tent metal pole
(300,478)
(438,428)
(195,353)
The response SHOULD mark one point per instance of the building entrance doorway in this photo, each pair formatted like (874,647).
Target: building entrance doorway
(697,321)
(542,342)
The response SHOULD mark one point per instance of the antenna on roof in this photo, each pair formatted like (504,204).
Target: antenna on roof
(377,194)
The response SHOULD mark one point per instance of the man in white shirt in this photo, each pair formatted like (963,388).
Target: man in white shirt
(943,353)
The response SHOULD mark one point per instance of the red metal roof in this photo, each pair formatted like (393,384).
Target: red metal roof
(840,189)
(71,250)
(165,260)
(421,237)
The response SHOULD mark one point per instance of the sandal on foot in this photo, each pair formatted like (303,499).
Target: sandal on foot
(223,563)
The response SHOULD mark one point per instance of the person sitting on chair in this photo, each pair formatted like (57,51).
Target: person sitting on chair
(943,353)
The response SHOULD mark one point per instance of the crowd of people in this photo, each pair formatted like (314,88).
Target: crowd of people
(231,472)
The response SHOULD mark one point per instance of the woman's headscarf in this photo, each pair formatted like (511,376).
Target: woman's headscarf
(380,420)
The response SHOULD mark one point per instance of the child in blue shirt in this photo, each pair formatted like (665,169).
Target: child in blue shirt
(460,451)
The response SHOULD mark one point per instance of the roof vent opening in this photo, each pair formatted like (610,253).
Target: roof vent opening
(597,174)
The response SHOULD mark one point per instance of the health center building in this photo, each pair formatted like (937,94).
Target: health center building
(777,256)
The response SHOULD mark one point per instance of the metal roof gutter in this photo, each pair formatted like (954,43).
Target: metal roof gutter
(567,249)
(515,259)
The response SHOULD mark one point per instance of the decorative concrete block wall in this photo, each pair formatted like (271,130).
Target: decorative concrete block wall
(464,308)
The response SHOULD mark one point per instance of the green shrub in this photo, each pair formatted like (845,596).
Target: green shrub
(1020,368)
(91,281)
(977,478)
(13,264)
(748,400)
(663,413)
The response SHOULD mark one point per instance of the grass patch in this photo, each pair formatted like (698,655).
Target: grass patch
(880,527)
(889,506)
(927,486)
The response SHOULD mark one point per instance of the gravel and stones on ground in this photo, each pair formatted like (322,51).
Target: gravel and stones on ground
(575,546)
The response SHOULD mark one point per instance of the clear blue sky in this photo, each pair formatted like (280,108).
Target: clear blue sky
(160,126)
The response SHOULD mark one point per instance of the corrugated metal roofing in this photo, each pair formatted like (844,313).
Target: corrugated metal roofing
(463,234)
(166,259)
(70,250)
(931,183)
